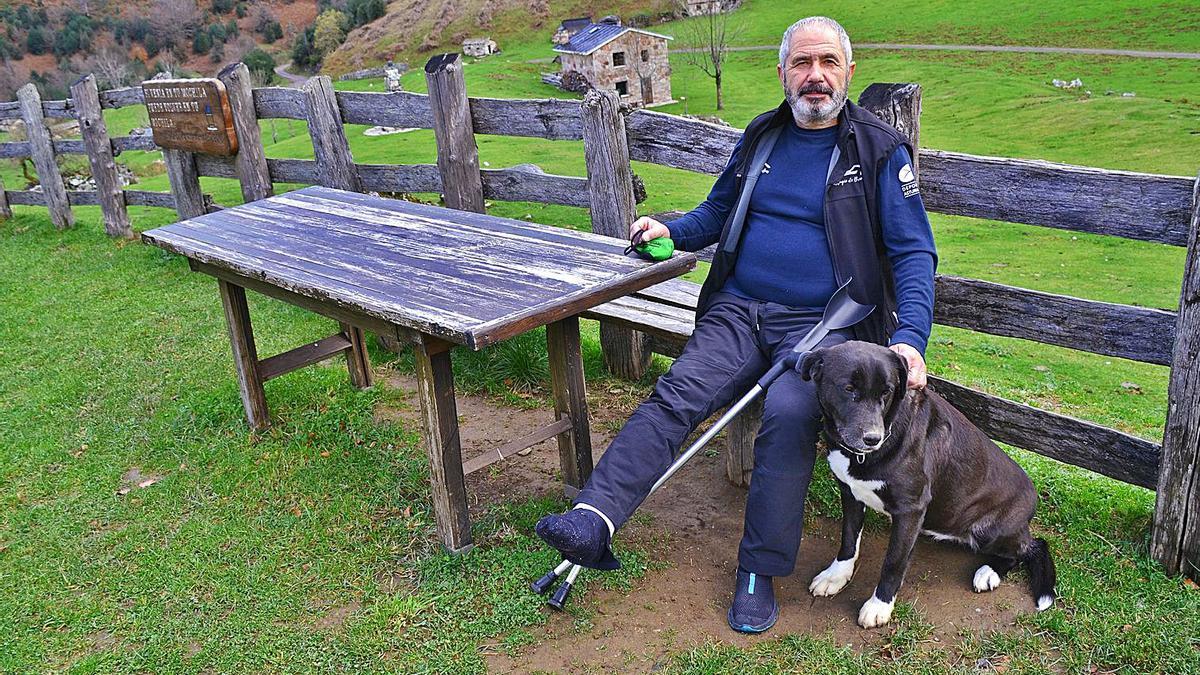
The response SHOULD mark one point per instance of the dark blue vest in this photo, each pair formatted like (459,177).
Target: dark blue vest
(864,145)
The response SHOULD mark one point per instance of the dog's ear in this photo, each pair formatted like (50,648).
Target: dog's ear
(900,387)
(810,365)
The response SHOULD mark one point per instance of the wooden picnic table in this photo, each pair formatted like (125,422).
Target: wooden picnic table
(426,276)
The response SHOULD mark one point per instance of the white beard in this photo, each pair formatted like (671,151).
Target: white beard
(807,113)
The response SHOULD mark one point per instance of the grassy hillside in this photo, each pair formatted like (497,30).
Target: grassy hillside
(412,31)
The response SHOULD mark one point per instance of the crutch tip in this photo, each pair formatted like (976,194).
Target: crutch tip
(560,596)
(542,585)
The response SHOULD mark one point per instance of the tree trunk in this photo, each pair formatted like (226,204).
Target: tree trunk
(720,95)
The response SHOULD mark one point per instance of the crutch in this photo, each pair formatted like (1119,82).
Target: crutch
(841,311)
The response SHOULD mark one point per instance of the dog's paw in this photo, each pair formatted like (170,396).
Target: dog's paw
(875,612)
(986,579)
(832,579)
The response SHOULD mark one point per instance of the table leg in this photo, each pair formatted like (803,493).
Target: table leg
(245,357)
(435,386)
(570,401)
(358,362)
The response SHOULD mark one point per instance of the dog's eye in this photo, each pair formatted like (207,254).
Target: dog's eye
(850,388)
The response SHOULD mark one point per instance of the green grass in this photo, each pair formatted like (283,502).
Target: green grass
(1126,24)
(114,356)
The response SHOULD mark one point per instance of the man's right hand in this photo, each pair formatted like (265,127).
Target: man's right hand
(651,229)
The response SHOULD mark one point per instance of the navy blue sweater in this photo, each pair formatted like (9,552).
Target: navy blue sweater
(784,253)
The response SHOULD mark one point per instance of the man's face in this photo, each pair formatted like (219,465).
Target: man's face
(816,77)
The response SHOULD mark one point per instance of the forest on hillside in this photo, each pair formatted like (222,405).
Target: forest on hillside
(123,43)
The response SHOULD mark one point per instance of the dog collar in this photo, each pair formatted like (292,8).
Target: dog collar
(860,456)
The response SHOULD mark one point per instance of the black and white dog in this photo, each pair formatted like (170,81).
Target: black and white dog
(910,455)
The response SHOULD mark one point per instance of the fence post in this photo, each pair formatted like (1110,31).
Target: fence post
(250,161)
(610,187)
(335,164)
(100,157)
(5,210)
(185,183)
(900,106)
(1175,540)
(458,156)
(41,149)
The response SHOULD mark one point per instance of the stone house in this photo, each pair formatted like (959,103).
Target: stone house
(629,61)
(702,7)
(479,47)
(570,27)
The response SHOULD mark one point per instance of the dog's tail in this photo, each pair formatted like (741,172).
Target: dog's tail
(1042,577)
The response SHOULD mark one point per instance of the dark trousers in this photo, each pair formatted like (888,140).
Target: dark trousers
(734,343)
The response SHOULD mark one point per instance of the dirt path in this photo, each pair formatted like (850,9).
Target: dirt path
(293,80)
(992,48)
(684,605)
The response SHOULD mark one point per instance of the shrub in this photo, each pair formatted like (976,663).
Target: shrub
(261,65)
(36,41)
(273,32)
(202,42)
(222,6)
(364,11)
(241,10)
(303,53)
(329,33)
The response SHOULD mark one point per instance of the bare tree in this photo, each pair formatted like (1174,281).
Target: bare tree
(168,63)
(175,20)
(111,67)
(263,17)
(706,40)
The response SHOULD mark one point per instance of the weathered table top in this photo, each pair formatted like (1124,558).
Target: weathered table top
(468,278)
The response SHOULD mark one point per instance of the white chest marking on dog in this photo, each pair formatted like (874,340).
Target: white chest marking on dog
(863,490)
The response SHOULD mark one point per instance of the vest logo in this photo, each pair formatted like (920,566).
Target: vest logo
(908,181)
(766,168)
(852,175)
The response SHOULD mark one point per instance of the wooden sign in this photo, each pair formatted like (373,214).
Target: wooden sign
(191,115)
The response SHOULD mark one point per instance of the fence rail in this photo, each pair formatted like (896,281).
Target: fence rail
(1147,207)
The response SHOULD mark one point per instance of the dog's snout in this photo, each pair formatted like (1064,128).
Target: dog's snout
(872,439)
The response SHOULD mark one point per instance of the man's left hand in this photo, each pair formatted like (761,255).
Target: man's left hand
(916,364)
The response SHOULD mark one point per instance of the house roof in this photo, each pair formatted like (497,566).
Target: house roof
(575,24)
(596,35)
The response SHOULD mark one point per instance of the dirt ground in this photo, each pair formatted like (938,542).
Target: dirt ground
(685,604)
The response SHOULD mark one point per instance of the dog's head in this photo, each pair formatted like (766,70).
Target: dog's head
(860,387)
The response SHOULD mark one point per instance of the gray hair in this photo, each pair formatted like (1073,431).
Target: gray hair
(785,47)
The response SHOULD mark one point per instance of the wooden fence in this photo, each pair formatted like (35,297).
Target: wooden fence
(1139,206)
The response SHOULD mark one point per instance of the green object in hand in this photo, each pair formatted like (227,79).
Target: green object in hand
(656,249)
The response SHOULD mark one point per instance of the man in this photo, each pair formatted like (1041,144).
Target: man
(816,192)
(391,77)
